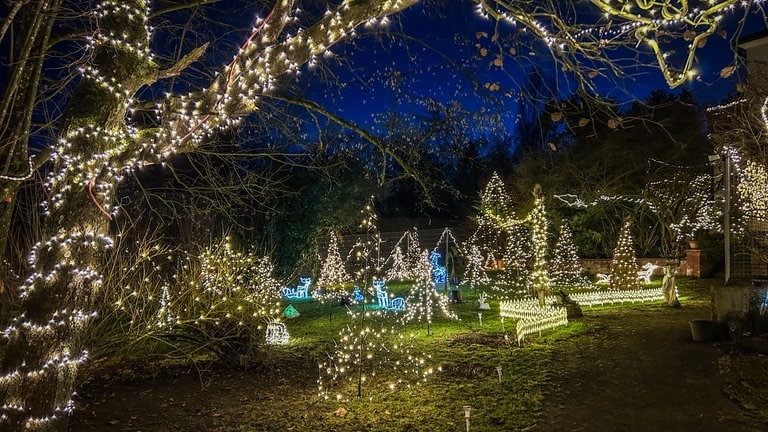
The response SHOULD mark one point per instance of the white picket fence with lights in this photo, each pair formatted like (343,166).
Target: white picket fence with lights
(604,297)
(531,317)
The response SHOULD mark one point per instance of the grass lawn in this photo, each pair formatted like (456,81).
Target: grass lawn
(466,353)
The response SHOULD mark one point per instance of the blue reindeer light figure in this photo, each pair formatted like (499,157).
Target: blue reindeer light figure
(439,273)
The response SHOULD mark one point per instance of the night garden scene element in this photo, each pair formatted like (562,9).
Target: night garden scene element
(383,215)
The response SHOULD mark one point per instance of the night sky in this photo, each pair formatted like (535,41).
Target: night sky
(436,56)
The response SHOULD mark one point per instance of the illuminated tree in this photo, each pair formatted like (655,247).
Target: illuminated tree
(365,255)
(494,201)
(333,275)
(424,298)
(495,208)
(413,255)
(515,277)
(540,268)
(565,270)
(368,347)
(398,270)
(474,273)
(624,264)
(670,31)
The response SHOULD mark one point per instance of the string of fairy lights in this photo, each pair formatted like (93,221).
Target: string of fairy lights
(641,20)
(187,119)
(120,149)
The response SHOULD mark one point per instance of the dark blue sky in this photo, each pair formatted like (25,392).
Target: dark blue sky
(438,58)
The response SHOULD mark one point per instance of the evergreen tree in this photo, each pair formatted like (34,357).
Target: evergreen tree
(494,201)
(399,269)
(333,275)
(624,264)
(413,256)
(424,298)
(515,276)
(475,274)
(566,268)
(495,209)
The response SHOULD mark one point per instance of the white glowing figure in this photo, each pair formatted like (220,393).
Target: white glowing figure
(277,333)
(385,301)
(646,272)
(482,299)
(300,292)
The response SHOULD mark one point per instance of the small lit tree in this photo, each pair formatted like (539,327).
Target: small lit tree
(475,274)
(413,254)
(424,298)
(494,201)
(516,276)
(366,347)
(566,268)
(333,275)
(398,270)
(494,210)
(624,263)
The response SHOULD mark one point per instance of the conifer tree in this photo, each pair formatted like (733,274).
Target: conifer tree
(413,255)
(475,274)
(624,263)
(333,275)
(566,268)
(424,298)
(516,275)
(494,201)
(398,270)
(495,209)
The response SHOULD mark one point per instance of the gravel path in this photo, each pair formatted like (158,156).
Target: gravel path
(639,370)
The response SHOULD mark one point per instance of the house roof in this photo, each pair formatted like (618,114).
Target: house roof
(754,40)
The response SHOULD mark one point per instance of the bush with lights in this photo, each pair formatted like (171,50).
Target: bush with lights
(218,300)
(371,355)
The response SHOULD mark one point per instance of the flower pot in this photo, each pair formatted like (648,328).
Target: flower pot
(703,330)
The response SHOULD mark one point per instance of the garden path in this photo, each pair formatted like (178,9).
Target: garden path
(639,370)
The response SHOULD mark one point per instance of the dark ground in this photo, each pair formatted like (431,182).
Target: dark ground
(641,371)
(636,368)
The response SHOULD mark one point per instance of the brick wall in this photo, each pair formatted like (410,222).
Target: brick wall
(692,265)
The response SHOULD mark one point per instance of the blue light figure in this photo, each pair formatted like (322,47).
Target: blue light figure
(439,272)
(358,295)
